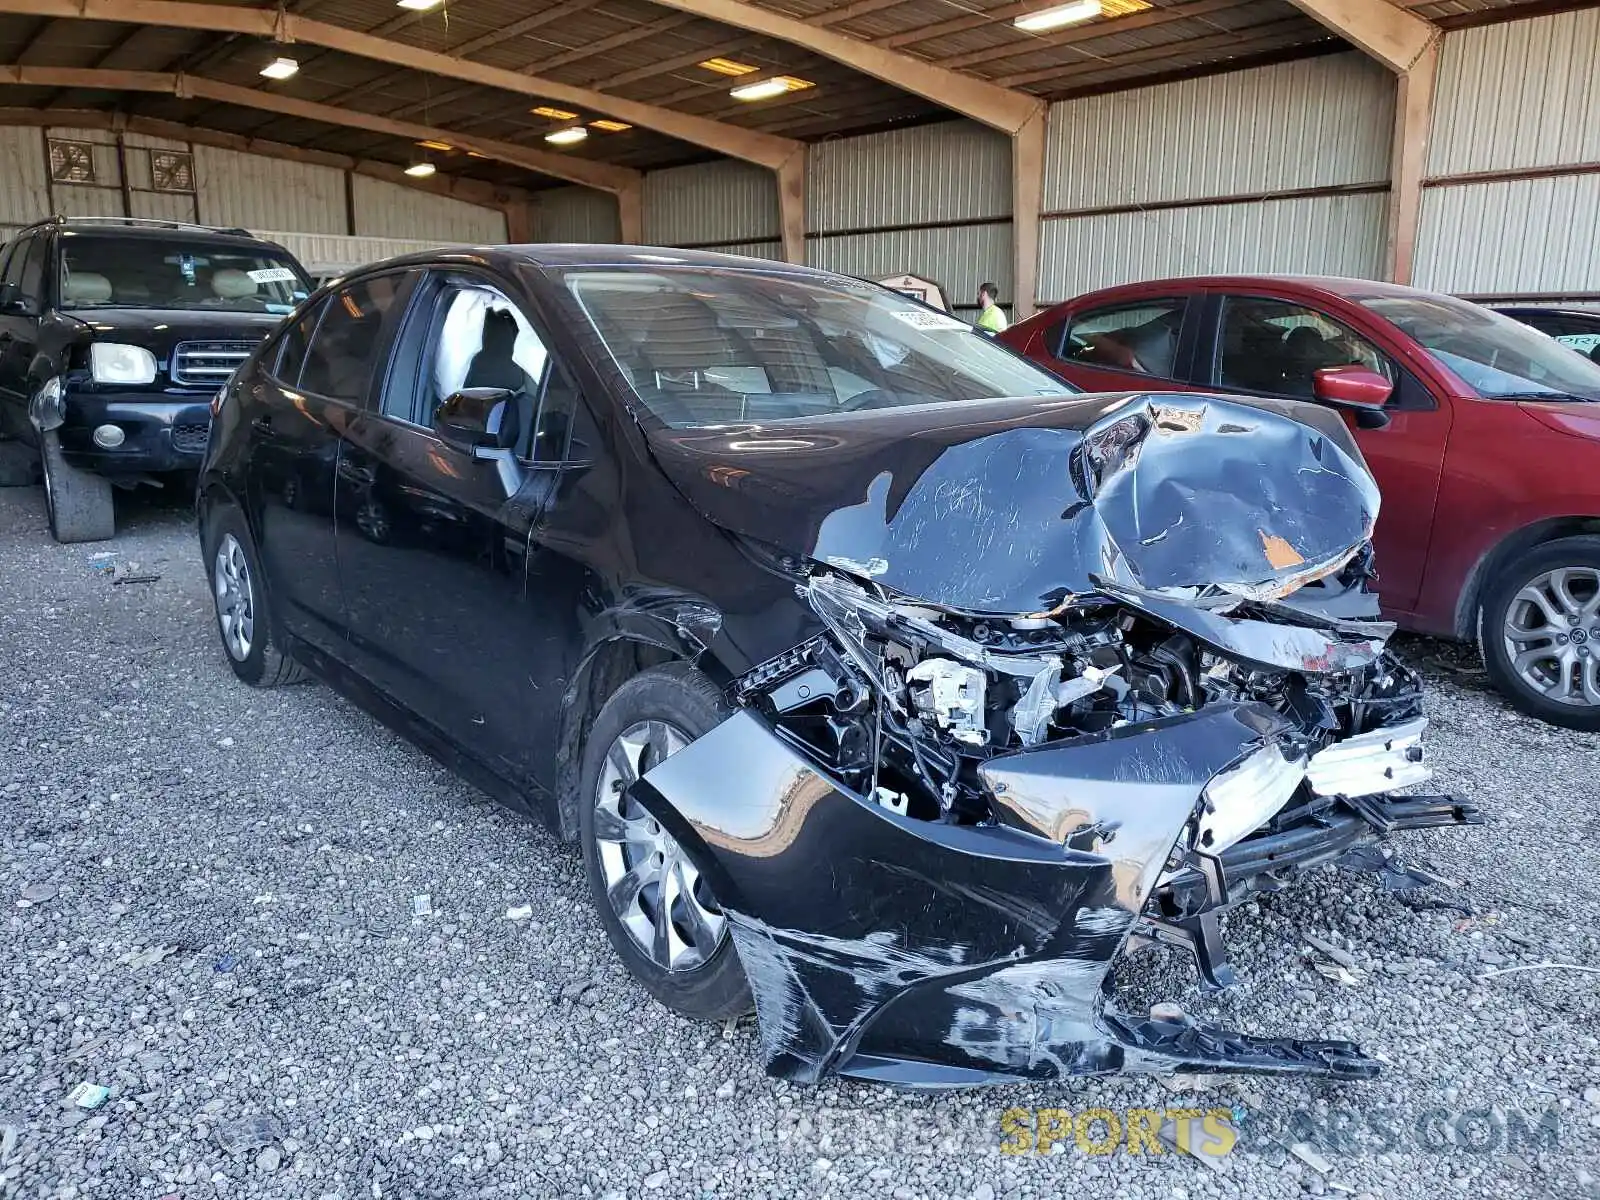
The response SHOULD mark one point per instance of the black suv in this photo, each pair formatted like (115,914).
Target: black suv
(115,334)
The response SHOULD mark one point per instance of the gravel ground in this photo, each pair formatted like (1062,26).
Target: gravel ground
(209,906)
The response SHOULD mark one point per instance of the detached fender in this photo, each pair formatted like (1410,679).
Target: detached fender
(924,953)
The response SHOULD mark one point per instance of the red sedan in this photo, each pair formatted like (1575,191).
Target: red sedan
(1484,436)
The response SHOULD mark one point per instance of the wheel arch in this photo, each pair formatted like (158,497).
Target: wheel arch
(610,661)
(1517,542)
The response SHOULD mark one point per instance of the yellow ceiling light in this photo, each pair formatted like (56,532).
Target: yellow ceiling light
(727,66)
(609,125)
(567,137)
(555,114)
(1061,14)
(1121,8)
(440,146)
(778,85)
(280,68)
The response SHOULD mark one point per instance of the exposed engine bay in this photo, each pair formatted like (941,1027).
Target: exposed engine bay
(1068,695)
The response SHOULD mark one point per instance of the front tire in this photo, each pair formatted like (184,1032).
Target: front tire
(78,502)
(1539,631)
(244,621)
(656,908)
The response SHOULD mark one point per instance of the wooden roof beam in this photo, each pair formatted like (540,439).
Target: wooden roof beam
(285,27)
(998,107)
(1393,36)
(601,176)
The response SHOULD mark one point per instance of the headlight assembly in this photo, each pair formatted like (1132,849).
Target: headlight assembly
(112,362)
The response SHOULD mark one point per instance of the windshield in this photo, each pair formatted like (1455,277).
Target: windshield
(708,346)
(1499,358)
(99,271)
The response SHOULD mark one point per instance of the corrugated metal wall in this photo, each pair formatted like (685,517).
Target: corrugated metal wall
(268,193)
(711,205)
(932,200)
(307,204)
(1317,123)
(23,196)
(575,214)
(1523,96)
(1324,235)
(384,209)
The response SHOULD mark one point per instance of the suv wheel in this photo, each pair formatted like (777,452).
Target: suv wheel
(656,907)
(243,620)
(77,502)
(1539,630)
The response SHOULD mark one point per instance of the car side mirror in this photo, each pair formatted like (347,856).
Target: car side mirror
(478,420)
(11,299)
(1362,391)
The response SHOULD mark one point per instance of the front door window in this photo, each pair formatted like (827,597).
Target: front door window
(1277,347)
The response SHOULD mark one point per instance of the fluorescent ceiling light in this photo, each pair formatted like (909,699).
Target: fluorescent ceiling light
(419,5)
(768,88)
(280,68)
(439,146)
(610,126)
(567,137)
(555,114)
(1055,18)
(420,170)
(728,66)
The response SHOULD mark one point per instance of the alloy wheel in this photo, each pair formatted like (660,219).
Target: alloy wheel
(656,892)
(236,609)
(1552,635)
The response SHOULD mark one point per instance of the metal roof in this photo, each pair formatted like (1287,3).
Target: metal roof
(640,51)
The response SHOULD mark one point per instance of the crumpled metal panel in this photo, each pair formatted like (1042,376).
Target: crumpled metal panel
(939,953)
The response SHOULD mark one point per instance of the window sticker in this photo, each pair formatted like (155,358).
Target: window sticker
(272,275)
(920,319)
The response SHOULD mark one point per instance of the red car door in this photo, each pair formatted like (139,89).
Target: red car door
(1274,345)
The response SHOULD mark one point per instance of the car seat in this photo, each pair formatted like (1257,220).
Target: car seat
(86,287)
(231,284)
(494,367)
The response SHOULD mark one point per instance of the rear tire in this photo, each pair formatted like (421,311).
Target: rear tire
(244,621)
(78,502)
(1539,632)
(707,984)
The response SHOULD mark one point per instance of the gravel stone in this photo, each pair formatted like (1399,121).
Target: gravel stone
(346,1025)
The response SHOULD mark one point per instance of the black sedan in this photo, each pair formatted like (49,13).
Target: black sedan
(888,685)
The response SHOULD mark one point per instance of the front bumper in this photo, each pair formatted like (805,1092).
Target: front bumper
(163,432)
(931,954)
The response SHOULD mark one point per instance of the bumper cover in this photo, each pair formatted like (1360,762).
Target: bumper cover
(162,432)
(930,954)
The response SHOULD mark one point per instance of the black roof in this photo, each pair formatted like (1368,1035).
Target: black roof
(133,227)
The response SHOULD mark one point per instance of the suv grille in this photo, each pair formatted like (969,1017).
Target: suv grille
(201,363)
(190,437)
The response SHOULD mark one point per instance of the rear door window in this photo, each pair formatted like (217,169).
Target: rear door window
(350,341)
(1140,337)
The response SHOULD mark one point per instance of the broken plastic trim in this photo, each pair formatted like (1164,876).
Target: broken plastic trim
(927,953)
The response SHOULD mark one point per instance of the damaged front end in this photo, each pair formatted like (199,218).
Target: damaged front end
(934,828)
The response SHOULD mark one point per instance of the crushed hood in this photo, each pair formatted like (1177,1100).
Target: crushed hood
(1009,506)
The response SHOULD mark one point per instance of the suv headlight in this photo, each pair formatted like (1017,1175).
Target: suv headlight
(112,362)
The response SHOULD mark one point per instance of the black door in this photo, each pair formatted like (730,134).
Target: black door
(325,370)
(434,534)
(21,293)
